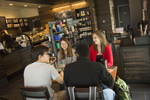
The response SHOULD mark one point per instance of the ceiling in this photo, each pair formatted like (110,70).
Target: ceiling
(34,3)
(5,3)
(45,2)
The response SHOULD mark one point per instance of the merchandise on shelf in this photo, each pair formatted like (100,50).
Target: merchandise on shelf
(57,31)
(36,36)
(16,22)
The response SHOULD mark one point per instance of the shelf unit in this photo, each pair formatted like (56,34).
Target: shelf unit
(85,24)
(52,34)
(17,22)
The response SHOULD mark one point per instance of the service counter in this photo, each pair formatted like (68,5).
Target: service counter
(13,62)
(135,62)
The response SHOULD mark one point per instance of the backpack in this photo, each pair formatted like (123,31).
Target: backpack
(122,90)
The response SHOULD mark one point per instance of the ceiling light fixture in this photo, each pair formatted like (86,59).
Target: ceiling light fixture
(25,5)
(78,3)
(62,7)
(39,6)
(10,4)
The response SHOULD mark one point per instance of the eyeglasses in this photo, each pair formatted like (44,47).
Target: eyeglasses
(64,44)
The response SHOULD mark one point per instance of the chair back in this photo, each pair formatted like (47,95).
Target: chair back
(113,72)
(5,98)
(104,62)
(91,93)
(115,35)
(34,92)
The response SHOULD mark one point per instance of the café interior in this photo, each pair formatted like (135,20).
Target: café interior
(125,24)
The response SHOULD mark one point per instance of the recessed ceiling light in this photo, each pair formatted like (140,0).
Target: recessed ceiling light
(10,4)
(39,6)
(25,5)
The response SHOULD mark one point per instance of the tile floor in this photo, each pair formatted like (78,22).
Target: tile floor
(140,91)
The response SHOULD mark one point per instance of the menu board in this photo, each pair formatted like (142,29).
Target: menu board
(65,14)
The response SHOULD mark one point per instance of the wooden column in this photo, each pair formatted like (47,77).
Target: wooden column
(102,9)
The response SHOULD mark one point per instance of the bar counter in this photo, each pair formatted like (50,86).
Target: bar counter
(135,62)
(13,62)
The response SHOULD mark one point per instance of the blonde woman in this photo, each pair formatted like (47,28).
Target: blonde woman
(101,49)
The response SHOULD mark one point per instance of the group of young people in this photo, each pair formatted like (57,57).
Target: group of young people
(82,67)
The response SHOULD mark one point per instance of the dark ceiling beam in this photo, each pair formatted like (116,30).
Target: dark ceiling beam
(46,2)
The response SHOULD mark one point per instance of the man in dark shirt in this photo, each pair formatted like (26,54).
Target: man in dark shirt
(6,40)
(85,73)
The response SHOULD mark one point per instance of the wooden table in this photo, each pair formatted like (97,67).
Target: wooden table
(112,70)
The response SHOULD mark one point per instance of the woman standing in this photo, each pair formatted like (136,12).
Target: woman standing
(101,49)
(66,54)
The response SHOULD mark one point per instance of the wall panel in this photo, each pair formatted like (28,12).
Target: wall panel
(47,14)
(103,13)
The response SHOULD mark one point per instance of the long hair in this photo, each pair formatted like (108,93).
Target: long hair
(103,41)
(69,49)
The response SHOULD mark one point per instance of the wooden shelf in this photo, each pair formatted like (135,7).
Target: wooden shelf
(57,33)
(84,26)
(83,16)
(85,20)
(57,41)
(21,24)
(86,31)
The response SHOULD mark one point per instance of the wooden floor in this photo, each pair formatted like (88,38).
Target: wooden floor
(140,91)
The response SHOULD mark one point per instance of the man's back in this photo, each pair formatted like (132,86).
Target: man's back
(85,73)
(6,38)
(40,74)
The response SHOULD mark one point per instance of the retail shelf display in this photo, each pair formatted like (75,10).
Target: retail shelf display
(85,25)
(16,22)
(60,29)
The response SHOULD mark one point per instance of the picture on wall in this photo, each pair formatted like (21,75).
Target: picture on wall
(63,14)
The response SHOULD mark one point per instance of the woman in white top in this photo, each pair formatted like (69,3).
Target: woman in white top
(66,54)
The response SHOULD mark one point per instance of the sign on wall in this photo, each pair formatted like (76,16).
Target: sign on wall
(63,14)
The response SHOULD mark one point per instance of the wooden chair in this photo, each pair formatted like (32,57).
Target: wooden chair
(91,93)
(34,92)
(113,71)
(5,98)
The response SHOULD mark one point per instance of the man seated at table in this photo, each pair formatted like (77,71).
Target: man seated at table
(41,73)
(85,73)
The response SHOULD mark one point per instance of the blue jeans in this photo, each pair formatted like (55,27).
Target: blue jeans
(109,94)
(104,86)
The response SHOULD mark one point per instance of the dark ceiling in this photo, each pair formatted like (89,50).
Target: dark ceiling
(46,2)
